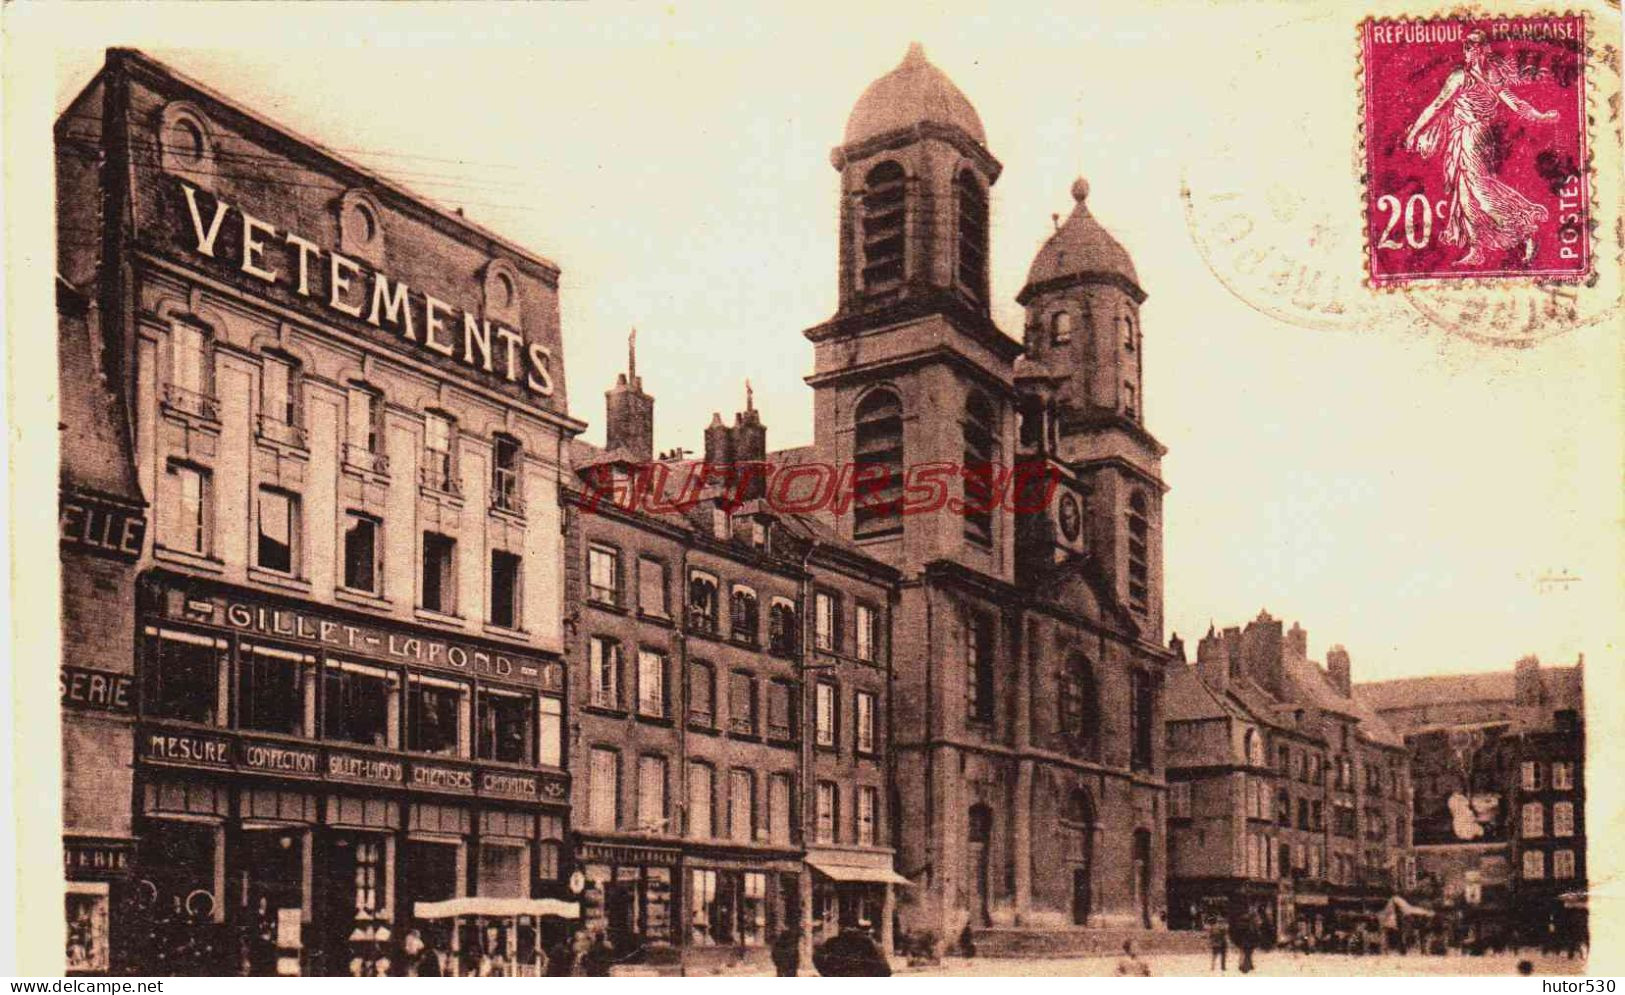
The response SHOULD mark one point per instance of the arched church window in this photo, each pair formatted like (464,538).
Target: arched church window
(878,455)
(1060,327)
(1139,536)
(883,229)
(981,455)
(972,201)
(1079,705)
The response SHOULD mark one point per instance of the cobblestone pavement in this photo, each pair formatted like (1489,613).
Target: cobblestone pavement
(1275,965)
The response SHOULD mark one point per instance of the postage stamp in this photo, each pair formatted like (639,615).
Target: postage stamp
(1475,148)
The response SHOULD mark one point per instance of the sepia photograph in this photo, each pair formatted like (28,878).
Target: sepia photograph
(691,490)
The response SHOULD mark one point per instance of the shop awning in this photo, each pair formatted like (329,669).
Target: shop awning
(452,908)
(856,872)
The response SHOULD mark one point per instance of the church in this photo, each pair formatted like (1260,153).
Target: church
(1027,657)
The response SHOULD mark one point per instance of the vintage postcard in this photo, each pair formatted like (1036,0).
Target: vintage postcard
(698,490)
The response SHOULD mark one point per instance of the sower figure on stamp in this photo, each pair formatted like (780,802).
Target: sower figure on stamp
(1485,213)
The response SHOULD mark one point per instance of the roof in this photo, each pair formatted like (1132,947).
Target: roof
(914,93)
(1418,692)
(1080,247)
(96,452)
(1186,698)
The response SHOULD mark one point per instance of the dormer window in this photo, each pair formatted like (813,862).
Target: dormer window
(882,227)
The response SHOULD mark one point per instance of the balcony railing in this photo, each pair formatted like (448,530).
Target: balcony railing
(278,431)
(365,459)
(191,402)
(440,478)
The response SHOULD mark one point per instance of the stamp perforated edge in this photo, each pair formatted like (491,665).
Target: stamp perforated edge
(1588,172)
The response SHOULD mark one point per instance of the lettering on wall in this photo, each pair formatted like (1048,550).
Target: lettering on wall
(101,527)
(97,690)
(347,287)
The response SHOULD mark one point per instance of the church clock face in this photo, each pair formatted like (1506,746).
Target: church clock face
(1071,517)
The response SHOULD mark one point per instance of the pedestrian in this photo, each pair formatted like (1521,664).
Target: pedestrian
(419,958)
(1130,965)
(599,957)
(787,952)
(1218,941)
(851,954)
(1246,933)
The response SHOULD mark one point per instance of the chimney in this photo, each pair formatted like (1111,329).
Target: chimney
(1297,642)
(1176,647)
(629,413)
(719,448)
(1337,669)
(1526,685)
(1261,646)
(1213,661)
(750,446)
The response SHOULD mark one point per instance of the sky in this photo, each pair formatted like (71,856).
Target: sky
(1392,485)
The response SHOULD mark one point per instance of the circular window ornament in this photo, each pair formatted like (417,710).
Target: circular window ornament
(361,227)
(1071,517)
(200,904)
(186,142)
(500,282)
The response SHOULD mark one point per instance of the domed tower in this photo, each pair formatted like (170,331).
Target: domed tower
(911,369)
(1083,400)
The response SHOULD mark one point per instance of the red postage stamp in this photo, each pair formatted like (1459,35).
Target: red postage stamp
(1475,148)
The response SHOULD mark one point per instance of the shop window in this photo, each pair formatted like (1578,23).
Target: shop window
(182,676)
(1563,819)
(702,689)
(882,229)
(702,908)
(742,703)
(868,799)
(980,429)
(274,687)
(824,718)
(780,793)
(502,871)
(701,791)
(782,634)
(651,684)
(979,668)
(604,666)
(1563,865)
(867,633)
(652,794)
(781,711)
(505,577)
(278,531)
(439,461)
(827,816)
(827,622)
(187,524)
(603,801)
(1534,819)
(86,905)
(550,749)
(878,454)
(702,603)
(433,715)
(864,716)
(363,553)
(652,587)
(506,492)
(505,720)
(742,615)
(439,573)
(604,575)
(360,704)
(1534,865)
(741,806)
(178,858)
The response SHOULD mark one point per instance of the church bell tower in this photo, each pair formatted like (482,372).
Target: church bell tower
(911,369)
